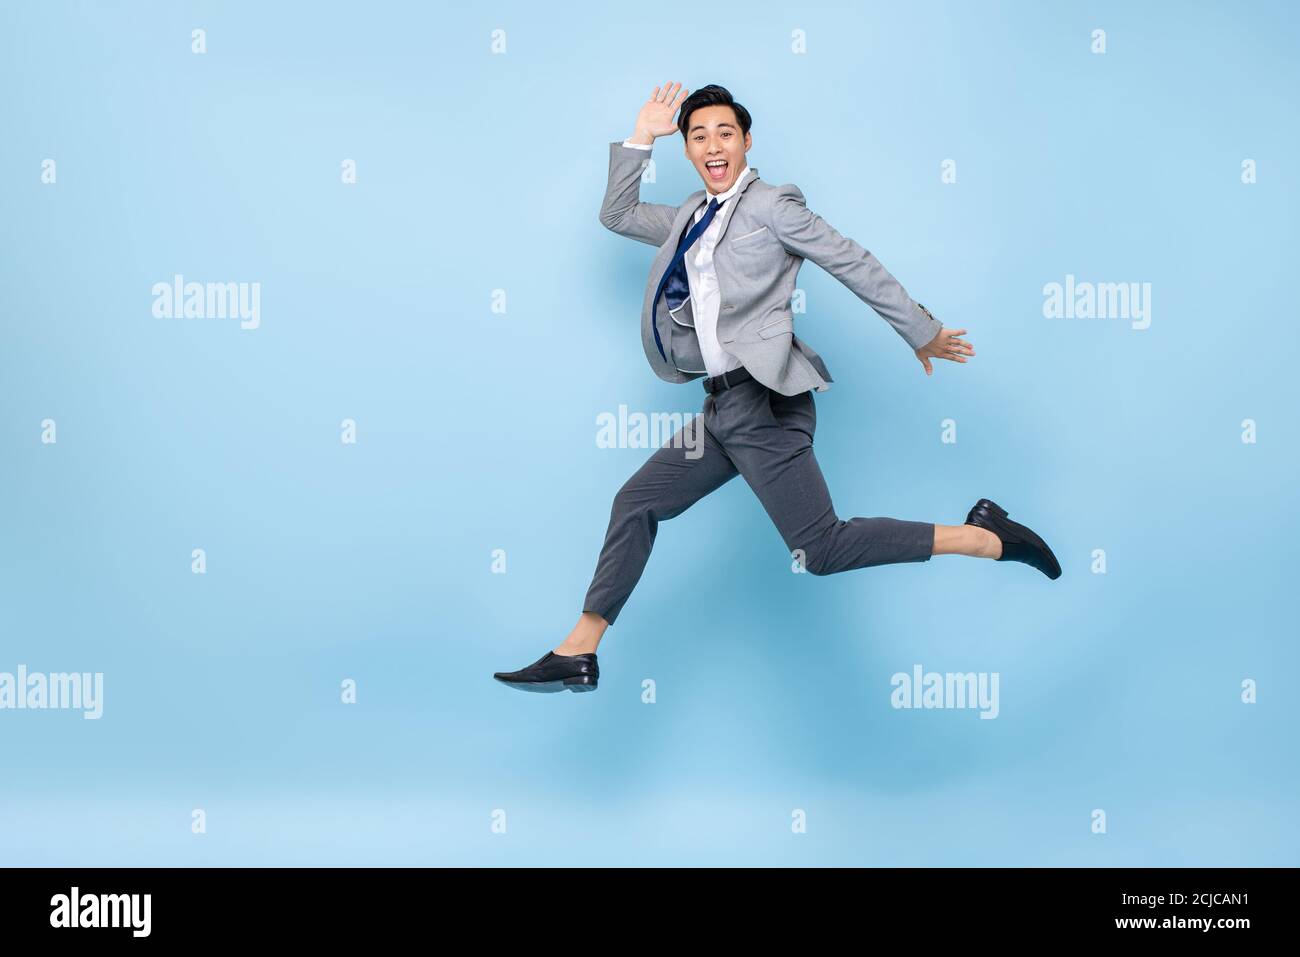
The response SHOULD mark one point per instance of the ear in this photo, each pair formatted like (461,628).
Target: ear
(749,141)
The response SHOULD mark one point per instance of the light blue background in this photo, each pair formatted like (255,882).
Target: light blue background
(477,432)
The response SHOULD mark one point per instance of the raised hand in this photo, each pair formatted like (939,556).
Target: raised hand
(656,116)
(946,345)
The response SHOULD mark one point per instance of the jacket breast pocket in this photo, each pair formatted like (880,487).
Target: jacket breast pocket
(755,235)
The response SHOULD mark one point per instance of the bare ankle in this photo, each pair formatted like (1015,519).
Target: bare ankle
(571,647)
(585,636)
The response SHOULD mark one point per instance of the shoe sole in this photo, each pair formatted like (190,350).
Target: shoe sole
(577,684)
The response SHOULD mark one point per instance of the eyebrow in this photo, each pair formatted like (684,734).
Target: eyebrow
(701,126)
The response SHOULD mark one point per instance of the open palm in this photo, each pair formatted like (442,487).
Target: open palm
(656,117)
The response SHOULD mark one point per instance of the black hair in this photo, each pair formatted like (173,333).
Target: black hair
(712,95)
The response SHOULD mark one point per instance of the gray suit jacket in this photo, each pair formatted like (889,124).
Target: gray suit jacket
(766,236)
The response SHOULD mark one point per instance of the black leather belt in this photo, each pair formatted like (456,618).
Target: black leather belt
(729,378)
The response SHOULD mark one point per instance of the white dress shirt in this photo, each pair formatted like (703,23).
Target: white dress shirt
(702,279)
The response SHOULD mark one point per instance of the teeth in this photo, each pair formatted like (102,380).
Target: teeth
(716,163)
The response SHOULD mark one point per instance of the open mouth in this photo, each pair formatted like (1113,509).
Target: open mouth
(717,169)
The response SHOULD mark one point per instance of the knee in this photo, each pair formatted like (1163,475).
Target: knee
(819,554)
(813,560)
(625,499)
(630,505)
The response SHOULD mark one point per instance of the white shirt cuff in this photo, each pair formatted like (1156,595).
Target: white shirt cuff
(636,146)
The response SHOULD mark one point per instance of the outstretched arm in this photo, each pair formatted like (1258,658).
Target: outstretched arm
(804,233)
(622,210)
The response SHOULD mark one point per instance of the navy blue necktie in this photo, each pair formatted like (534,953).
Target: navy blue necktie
(674,282)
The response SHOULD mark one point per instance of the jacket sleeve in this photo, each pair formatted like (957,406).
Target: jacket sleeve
(622,211)
(804,233)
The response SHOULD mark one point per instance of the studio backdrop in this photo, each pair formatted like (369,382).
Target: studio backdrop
(263,545)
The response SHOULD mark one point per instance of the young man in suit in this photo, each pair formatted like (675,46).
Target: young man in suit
(717,304)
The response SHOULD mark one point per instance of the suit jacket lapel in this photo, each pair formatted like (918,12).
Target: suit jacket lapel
(685,212)
(684,219)
(735,201)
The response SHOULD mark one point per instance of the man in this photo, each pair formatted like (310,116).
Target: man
(717,304)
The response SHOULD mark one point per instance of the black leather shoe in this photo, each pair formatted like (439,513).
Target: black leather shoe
(1019,544)
(553,672)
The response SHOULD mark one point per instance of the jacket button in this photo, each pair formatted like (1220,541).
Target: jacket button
(728,307)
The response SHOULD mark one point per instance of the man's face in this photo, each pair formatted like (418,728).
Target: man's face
(715,146)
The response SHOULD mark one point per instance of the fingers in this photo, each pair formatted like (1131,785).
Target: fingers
(665,93)
(956,345)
